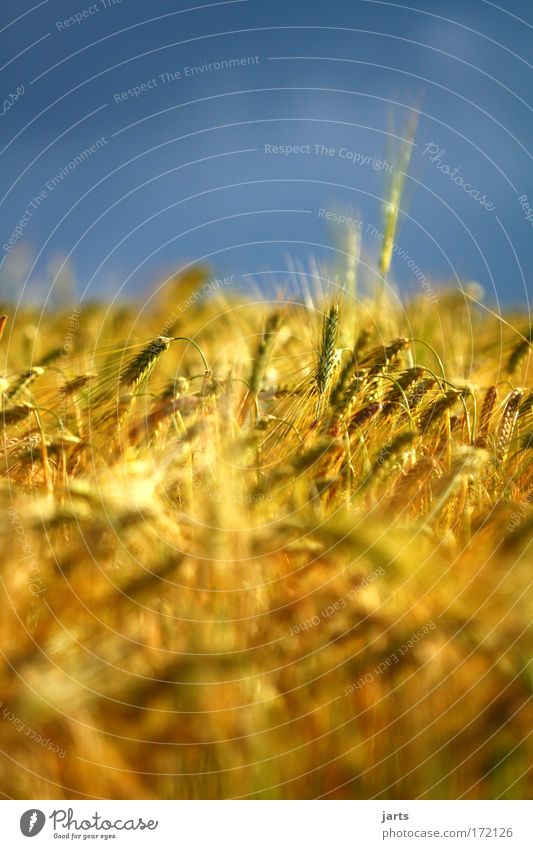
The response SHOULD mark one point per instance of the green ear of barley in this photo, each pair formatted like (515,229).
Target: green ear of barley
(412,484)
(326,360)
(390,452)
(264,350)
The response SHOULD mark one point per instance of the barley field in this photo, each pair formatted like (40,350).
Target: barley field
(266,549)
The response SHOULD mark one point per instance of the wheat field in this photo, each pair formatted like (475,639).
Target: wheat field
(266,548)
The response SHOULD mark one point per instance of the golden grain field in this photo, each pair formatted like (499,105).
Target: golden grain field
(266,549)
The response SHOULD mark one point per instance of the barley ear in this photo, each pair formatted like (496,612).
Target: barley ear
(328,348)
(507,423)
(391,207)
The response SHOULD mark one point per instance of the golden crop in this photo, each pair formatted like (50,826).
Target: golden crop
(274,550)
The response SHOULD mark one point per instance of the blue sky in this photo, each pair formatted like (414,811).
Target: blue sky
(138,138)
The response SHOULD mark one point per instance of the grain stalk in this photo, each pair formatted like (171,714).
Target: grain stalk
(391,207)
(264,351)
(328,353)
(22,382)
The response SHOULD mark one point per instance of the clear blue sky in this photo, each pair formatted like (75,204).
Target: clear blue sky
(180,172)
